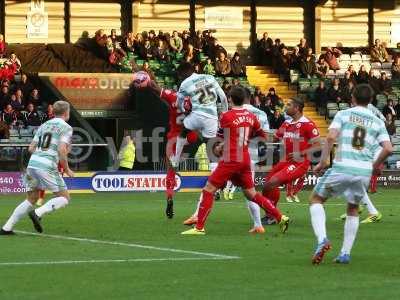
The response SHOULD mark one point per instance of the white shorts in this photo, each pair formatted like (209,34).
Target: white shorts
(351,187)
(36,179)
(206,126)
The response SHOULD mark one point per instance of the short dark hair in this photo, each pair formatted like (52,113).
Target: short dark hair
(238,95)
(363,94)
(185,70)
(298,102)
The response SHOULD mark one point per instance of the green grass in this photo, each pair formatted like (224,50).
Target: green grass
(273,266)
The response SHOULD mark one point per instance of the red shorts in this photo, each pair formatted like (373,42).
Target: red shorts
(286,172)
(237,172)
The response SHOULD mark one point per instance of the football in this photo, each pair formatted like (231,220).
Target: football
(141,79)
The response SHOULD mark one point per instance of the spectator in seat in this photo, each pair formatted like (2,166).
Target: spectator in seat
(9,115)
(34,98)
(347,92)
(49,114)
(4,97)
(128,43)
(176,42)
(4,130)
(374,82)
(295,59)
(345,80)
(390,124)
(24,85)
(209,68)
(276,101)
(197,41)
(139,41)
(396,68)
(2,46)
(389,108)
(147,50)
(266,106)
(362,76)
(277,120)
(146,68)
(385,84)
(331,56)
(308,67)
(152,38)
(160,52)
(226,87)
(222,65)
(20,96)
(190,55)
(215,50)
(185,39)
(265,49)
(237,67)
(353,73)
(322,67)
(378,52)
(335,92)
(321,97)
(114,37)
(283,65)
(303,47)
(17,104)
(31,117)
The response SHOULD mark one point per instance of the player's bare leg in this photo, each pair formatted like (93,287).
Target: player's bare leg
(318,221)
(20,211)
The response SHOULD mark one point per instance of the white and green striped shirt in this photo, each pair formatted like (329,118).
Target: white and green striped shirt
(48,138)
(360,132)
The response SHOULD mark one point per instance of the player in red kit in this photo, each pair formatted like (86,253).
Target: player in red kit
(237,126)
(301,139)
(175,117)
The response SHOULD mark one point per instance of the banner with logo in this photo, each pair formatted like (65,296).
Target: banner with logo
(221,17)
(37,21)
(11,182)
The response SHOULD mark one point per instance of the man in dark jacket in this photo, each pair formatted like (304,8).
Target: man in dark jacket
(31,117)
(308,67)
(237,67)
(215,49)
(264,49)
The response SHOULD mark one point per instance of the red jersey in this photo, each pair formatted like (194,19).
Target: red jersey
(175,115)
(237,126)
(297,135)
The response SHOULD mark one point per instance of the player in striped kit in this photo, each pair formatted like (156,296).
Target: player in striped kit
(357,131)
(49,146)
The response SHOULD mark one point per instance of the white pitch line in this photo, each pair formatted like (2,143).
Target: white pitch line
(105,261)
(68,238)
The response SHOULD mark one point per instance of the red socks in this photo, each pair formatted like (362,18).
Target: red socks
(273,195)
(373,183)
(170,183)
(267,206)
(41,194)
(204,209)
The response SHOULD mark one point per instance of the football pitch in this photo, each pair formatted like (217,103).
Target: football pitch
(121,246)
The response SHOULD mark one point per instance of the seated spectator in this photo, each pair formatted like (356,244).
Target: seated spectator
(146,68)
(161,52)
(152,38)
(345,80)
(353,73)
(396,68)
(331,56)
(20,96)
(322,67)
(185,39)
(265,49)
(237,67)
(31,117)
(128,43)
(115,53)
(390,124)
(25,85)
(215,49)
(389,108)
(283,64)
(16,104)
(4,130)
(385,84)
(176,42)
(321,97)
(373,82)
(209,68)
(362,76)
(226,87)
(303,47)
(295,59)
(347,92)
(222,65)
(190,55)
(335,92)
(197,41)
(256,101)
(49,114)
(277,120)
(266,106)
(378,52)
(146,51)
(276,101)
(9,115)
(14,62)
(4,97)
(34,98)
(114,37)
(308,67)
(2,46)
(138,43)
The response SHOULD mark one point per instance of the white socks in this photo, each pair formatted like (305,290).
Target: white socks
(51,205)
(254,210)
(19,212)
(318,220)
(371,208)
(350,232)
